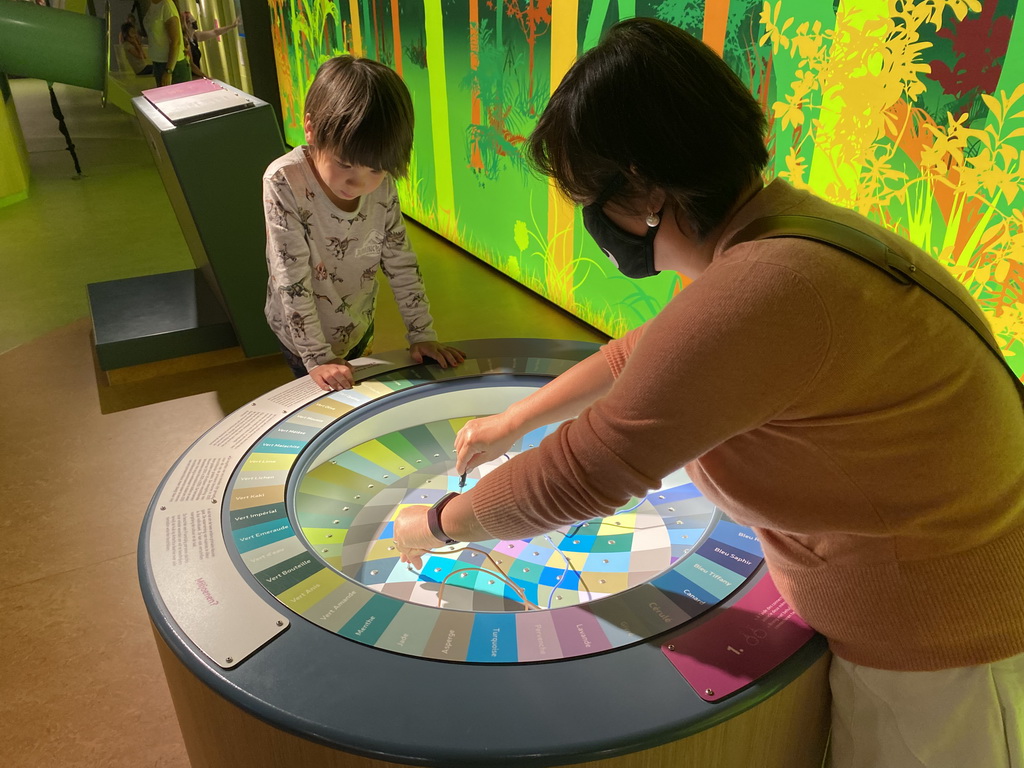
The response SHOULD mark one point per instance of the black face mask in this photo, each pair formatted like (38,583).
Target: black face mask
(633,255)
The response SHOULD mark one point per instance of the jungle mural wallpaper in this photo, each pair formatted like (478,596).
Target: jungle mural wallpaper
(910,111)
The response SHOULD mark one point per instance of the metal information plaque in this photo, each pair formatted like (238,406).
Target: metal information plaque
(195,577)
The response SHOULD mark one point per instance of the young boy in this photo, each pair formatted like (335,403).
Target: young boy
(333,221)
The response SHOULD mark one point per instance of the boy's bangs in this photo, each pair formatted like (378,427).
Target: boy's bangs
(369,141)
(369,148)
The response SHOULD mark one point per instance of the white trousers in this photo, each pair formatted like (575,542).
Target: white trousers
(969,717)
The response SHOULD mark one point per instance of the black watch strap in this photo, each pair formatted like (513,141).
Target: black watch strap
(434,518)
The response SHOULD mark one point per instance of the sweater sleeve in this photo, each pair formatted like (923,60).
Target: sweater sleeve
(402,269)
(617,351)
(291,277)
(725,356)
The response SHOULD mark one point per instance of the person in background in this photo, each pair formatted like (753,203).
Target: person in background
(131,44)
(194,36)
(166,43)
(333,221)
(868,435)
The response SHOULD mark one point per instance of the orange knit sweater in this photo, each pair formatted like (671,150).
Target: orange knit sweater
(871,439)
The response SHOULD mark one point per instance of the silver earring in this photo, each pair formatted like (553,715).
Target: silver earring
(653,219)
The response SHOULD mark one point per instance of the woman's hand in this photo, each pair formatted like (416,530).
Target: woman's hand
(441,353)
(482,440)
(333,376)
(412,535)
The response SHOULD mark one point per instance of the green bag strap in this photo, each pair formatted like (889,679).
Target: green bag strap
(877,253)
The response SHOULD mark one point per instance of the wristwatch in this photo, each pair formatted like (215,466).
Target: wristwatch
(434,518)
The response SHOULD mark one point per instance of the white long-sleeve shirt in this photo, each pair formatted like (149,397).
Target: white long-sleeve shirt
(323,263)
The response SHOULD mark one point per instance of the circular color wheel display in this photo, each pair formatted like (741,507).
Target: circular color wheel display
(268,567)
(348,462)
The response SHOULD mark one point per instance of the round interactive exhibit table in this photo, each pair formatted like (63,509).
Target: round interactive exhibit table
(291,635)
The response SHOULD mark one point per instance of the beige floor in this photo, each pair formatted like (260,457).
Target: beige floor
(80,682)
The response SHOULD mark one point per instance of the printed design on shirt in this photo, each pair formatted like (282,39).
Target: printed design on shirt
(373,245)
(415,328)
(316,358)
(343,333)
(296,290)
(390,205)
(320,271)
(277,214)
(303,216)
(283,256)
(338,247)
(310,194)
(320,296)
(344,305)
(297,325)
(358,217)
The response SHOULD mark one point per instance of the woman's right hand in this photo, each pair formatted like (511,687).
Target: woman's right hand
(482,440)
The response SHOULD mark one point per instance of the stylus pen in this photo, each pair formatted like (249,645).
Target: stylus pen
(462,481)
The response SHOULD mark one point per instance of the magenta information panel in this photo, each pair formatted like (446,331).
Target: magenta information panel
(739,645)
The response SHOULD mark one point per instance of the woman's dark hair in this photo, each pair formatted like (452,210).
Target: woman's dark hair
(652,107)
(360,111)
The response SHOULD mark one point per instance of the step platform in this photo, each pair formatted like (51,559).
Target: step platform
(139,320)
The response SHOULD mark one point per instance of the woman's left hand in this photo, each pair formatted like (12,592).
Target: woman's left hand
(412,535)
(441,353)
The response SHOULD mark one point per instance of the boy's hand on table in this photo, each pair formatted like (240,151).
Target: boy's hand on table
(333,376)
(442,354)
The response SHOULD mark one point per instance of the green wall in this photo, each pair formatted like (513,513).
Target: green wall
(913,116)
